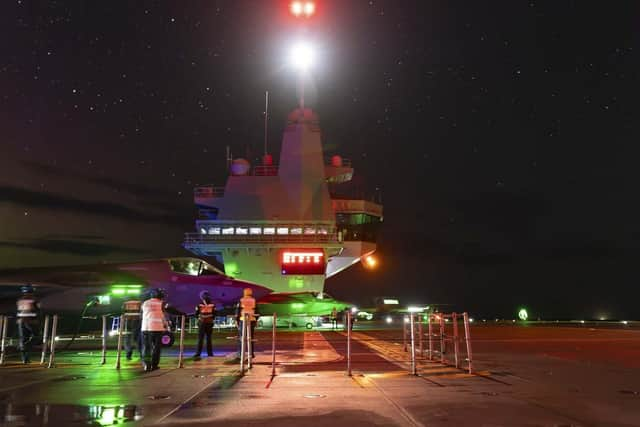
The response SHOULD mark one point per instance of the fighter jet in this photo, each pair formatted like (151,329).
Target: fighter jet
(298,308)
(102,288)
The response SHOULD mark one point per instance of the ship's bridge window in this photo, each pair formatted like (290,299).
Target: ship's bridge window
(255,230)
(227,230)
(269,230)
(203,231)
(242,230)
(296,230)
(214,230)
(309,230)
(283,230)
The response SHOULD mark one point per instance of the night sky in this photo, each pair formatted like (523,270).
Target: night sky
(503,137)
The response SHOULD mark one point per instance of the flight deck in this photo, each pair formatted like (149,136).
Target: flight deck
(524,375)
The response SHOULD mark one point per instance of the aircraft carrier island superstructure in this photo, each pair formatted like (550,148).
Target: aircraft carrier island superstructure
(279,225)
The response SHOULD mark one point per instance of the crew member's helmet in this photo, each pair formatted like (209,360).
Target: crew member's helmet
(26,289)
(247,292)
(157,293)
(205,296)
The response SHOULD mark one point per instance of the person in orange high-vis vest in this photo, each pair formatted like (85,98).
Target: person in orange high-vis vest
(154,325)
(205,314)
(247,305)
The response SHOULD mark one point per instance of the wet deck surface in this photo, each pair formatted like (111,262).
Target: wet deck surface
(536,376)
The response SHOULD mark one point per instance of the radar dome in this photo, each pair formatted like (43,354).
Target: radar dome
(240,167)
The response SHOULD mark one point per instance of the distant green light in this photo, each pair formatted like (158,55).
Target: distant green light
(133,291)
(118,291)
(104,299)
(297,305)
(522,314)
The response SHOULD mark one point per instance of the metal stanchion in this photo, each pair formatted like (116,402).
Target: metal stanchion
(104,340)
(119,347)
(420,335)
(249,345)
(456,347)
(349,343)
(413,345)
(3,320)
(52,352)
(467,338)
(273,346)
(45,339)
(181,354)
(431,317)
(404,334)
(242,343)
(442,343)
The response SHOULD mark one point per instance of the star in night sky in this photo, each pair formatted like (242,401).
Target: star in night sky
(501,137)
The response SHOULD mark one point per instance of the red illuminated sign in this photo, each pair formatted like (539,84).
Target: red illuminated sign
(302,261)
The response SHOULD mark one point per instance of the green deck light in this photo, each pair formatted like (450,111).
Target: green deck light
(297,305)
(523,315)
(118,291)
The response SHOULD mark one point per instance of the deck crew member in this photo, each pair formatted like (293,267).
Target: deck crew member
(334,318)
(131,311)
(154,325)
(246,306)
(205,315)
(28,310)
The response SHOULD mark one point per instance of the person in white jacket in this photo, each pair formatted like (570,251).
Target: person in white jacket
(154,325)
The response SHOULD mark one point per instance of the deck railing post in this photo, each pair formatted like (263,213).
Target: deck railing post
(467,338)
(442,337)
(119,347)
(349,342)
(430,327)
(420,335)
(52,352)
(243,340)
(413,345)
(3,340)
(181,354)
(404,333)
(456,347)
(249,344)
(273,345)
(45,339)
(104,340)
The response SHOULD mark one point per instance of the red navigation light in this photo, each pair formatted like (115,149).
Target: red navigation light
(302,8)
(302,261)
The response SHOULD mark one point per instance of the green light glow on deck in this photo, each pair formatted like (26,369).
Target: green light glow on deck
(297,305)
(522,314)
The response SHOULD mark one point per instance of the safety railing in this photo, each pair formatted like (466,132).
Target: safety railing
(51,339)
(439,337)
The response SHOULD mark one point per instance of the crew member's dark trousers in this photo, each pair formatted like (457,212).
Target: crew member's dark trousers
(151,345)
(26,335)
(253,335)
(133,327)
(204,331)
